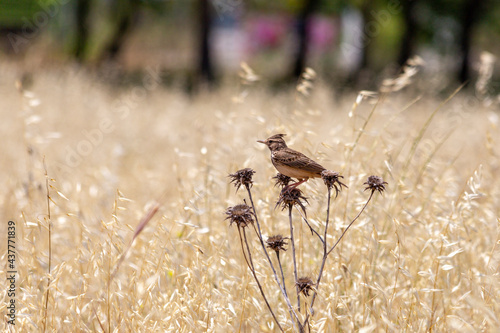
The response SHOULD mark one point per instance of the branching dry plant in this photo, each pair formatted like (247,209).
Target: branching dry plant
(137,182)
(243,216)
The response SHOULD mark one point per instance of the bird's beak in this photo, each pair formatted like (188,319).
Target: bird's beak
(261,141)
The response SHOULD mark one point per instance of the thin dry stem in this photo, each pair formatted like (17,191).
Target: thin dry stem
(47,292)
(142,223)
(325,253)
(281,271)
(249,262)
(434,287)
(431,155)
(356,141)
(259,235)
(424,129)
(292,239)
(361,211)
(98,319)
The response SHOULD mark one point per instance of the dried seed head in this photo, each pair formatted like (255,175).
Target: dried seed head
(409,70)
(241,214)
(291,197)
(306,81)
(375,183)
(277,243)
(331,179)
(485,72)
(282,180)
(242,177)
(247,74)
(305,285)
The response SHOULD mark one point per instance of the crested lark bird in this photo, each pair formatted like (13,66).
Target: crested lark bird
(290,162)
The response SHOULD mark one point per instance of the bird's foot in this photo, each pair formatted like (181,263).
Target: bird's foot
(290,187)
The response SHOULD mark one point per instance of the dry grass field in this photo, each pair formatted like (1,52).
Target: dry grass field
(424,255)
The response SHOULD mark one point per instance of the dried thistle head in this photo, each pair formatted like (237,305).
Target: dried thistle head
(290,197)
(375,183)
(242,177)
(282,180)
(277,243)
(305,285)
(331,179)
(241,214)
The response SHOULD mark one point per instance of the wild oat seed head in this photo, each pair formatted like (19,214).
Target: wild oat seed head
(282,180)
(291,197)
(277,243)
(305,285)
(331,179)
(241,214)
(375,183)
(242,177)
(409,70)
(247,74)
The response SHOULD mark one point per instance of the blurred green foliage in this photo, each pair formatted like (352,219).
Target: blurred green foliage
(13,13)
(173,26)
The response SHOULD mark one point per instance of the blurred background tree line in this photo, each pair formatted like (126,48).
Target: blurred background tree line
(349,42)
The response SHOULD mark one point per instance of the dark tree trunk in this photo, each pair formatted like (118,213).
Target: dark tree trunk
(472,11)
(205,67)
(126,12)
(358,77)
(409,37)
(82,29)
(303,37)
(367,39)
(12,40)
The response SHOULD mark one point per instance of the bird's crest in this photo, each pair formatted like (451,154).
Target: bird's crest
(276,136)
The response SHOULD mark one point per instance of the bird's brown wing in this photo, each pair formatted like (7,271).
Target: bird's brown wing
(297,160)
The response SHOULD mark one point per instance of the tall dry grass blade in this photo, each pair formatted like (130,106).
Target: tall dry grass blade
(431,155)
(355,144)
(389,122)
(47,292)
(142,224)
(365,124)
(492,252)
(424,129)
(438,180)
(97,317)
(434,287)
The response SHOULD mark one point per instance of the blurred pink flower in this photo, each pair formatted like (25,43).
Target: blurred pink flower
(266,31)
(323,32)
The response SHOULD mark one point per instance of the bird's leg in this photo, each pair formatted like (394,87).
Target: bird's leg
(294,185)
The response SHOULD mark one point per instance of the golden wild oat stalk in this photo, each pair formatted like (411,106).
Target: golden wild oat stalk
(424,255)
